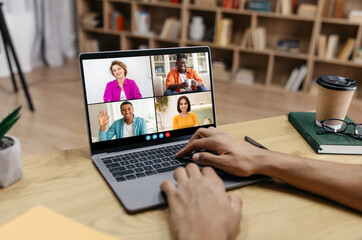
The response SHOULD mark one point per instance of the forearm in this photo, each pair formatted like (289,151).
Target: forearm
(173,87)
(336,181)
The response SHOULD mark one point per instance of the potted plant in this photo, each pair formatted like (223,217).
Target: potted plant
(10,153)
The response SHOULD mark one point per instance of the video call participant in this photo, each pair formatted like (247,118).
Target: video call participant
(128,126)
(185,119)
(176,81)
(121,88)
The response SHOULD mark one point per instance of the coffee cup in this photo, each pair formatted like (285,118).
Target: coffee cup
(189,82)
(334,96)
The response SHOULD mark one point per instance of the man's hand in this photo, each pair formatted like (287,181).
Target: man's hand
(234,156)
(103,119)
(199,205)
(183,85)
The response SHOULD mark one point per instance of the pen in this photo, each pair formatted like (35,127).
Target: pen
(253,142)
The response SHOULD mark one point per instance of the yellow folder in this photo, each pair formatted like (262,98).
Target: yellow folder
(41,223)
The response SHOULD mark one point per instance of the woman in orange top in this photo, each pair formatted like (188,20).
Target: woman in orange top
(185,119)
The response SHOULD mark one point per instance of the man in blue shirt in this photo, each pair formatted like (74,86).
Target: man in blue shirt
(128,126)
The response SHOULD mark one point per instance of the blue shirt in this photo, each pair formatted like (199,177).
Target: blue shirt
(139,128)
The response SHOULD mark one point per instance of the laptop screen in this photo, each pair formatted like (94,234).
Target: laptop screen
(146,97)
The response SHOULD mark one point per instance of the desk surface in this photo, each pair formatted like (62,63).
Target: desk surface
(68,183)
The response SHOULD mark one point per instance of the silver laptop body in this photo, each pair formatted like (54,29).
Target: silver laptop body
(121,159)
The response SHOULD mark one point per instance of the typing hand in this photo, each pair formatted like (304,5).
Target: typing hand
(199,205)
(233,156)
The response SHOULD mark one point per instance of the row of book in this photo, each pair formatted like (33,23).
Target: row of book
(254,38)
(333,8)
(327,47)
(171,28)
(115,21)
(224,31)
(296,78)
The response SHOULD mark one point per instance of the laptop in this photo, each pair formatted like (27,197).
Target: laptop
(136,127)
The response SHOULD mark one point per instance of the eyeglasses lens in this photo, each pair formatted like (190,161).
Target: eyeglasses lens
(359,130)
(335,125)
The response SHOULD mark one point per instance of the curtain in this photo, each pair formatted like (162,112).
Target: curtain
(43,32)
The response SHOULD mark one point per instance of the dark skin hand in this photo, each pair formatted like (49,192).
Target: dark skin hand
(199,205)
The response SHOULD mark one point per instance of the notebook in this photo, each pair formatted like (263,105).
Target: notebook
(139,114)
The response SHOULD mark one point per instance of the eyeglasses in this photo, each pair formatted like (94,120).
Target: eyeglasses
(340,126)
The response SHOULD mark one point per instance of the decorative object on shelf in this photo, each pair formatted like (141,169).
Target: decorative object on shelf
(92,20)
(10,153)
(197,28)
(288,45)
(143,22)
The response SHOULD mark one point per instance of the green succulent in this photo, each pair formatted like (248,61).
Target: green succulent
(8,122)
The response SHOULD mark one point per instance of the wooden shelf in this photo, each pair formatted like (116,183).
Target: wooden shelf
(271,66)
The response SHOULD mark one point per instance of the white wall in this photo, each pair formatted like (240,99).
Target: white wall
(97,75)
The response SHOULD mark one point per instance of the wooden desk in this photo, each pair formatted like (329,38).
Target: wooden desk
(70,184)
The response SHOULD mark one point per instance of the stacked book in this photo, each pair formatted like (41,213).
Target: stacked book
(355,16)
(333,8)
(307,10)
(245,75)
(220,72)
(288,45)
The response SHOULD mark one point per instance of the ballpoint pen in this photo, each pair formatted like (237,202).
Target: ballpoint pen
(253,142)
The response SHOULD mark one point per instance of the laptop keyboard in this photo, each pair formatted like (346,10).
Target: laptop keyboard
(144,163)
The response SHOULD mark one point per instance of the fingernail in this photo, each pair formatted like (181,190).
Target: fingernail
(196,157)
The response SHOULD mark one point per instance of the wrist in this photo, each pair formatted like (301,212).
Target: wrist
(102,128)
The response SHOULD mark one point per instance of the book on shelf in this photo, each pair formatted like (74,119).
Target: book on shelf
(260,5)
(307,10)
(91,45)
(355,16)
(115,21)
(296,78)
(331,143)
(245,75)
(209,37)
(333,8)
(358,58)
(234,4)
(209,3)
(322,46)
(288,45)
(285,7)
(332,46)
(170,28)
(347,49)
(254,38)
(224,31)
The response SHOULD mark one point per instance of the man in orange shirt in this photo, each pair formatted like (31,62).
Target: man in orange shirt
(183,79)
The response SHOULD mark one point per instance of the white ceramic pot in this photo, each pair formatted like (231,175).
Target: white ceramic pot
(10,163)
(197,28)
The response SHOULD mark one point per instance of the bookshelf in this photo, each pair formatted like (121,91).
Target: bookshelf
(271,67)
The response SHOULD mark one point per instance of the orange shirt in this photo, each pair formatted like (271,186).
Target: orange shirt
(185,122)
(173,77)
